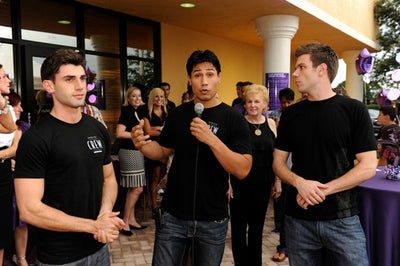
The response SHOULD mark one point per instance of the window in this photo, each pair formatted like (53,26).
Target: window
(101,32)
(5,19)
(140,42)
(48,22)
(6,57)
(141,72)
(107,74)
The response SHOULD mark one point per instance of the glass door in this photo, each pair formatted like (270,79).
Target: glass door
(34,98)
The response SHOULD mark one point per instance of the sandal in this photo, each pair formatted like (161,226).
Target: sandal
(17,260)
(279,256)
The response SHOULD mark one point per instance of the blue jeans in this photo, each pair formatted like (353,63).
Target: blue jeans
(173,239)
(332,242)
(99,258)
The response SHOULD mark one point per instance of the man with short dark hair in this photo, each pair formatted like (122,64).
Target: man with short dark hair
(239,93)
(206,150)
(167,90)
(387,115)
(240,106)
(326,133)
(64,181)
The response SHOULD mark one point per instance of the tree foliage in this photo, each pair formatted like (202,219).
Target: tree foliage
(387,15)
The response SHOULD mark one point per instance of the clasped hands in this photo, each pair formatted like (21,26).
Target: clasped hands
(310,192)
(108,226)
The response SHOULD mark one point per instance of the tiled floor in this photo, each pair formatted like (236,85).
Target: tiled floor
(138,249)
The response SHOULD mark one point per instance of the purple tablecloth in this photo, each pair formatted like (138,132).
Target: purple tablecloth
(379,203)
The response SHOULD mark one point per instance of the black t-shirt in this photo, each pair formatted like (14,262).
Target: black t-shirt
(212,180)
(130,117)
(324,137)
(170,106)
(155,120)
(70,158)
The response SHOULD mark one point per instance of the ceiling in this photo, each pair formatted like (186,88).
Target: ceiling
(233,20)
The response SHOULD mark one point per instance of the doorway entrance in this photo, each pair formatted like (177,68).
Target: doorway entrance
(34,57)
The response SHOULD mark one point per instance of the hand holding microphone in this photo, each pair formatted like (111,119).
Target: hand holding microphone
(199,127)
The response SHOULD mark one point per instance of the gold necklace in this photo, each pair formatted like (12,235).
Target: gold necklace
(258,130)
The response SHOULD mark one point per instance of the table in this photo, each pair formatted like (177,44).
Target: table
(379,204)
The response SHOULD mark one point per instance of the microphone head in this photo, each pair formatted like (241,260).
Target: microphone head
(199,108)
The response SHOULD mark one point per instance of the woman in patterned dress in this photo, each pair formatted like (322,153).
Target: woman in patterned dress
(131,161)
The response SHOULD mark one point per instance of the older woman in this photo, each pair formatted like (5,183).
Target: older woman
(131,160)
(251,195)
(153,124)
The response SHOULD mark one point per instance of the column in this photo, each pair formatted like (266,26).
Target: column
(354,82)
(276,32)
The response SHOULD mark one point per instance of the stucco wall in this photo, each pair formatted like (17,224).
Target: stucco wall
(357,14)
(239,62)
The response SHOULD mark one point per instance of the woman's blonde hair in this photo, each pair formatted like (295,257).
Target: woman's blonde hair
(150,103)
(129,92)
(255,89)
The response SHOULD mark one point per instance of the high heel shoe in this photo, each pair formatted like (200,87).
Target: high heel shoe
(126,232)
(132,227)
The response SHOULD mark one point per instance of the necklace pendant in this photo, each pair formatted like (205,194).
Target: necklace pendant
(257,132)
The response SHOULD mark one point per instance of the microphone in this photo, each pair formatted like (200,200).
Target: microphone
(198,109)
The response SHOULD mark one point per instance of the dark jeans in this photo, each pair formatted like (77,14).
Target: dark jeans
(332,242)
(176,234)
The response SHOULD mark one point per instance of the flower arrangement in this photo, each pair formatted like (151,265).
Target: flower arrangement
(391,151)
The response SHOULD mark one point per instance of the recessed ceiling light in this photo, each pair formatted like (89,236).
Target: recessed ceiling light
(187,5)
(64,22)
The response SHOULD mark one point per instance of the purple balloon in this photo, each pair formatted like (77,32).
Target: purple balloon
(393,94)
(365,53)
(364,62)
(398,58)
(396,75)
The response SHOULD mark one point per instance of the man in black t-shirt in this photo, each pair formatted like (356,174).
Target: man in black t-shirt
(206,149)
(64,181)
(326,134)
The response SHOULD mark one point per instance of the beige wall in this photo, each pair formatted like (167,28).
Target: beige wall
(239,62)
(344,11)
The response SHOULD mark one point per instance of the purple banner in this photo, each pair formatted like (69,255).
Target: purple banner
(275,82)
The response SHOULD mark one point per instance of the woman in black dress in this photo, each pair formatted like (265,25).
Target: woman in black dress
(153,124)
(251,195)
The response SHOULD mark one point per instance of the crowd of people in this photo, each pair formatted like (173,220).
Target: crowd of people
(218,162)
